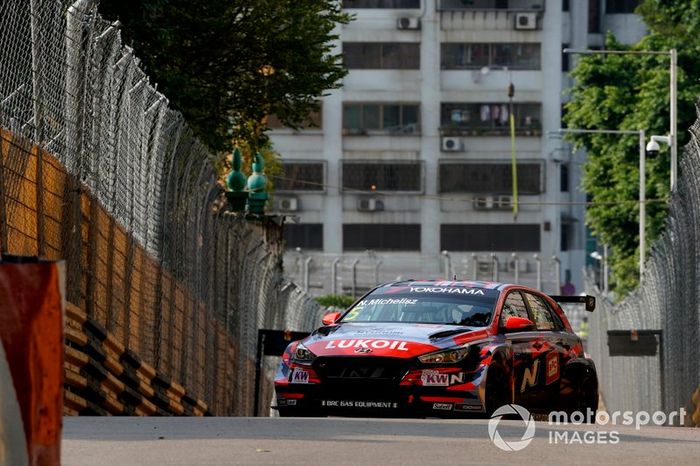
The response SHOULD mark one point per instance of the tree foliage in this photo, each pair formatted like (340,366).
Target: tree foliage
(340,301)
(631,92)
(228,64)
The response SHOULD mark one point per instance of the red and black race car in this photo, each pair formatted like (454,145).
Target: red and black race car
(440,348)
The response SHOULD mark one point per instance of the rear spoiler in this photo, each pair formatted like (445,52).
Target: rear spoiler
(588,300)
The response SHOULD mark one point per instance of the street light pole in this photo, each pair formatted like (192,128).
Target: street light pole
(674,117)
(642,182)
(673,97)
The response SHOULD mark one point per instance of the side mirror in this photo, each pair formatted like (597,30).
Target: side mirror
(330,318)
(519,323)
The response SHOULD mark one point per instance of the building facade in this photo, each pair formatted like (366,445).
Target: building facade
(409,172)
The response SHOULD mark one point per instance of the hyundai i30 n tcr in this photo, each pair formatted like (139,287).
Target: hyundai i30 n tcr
(440,348)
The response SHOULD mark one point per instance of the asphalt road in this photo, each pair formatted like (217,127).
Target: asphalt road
(339,441)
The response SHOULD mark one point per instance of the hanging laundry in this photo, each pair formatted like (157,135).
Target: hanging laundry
(485,112)
(504,114)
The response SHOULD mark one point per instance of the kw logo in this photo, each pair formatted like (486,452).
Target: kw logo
(530,376)
(300,376)
(431,378)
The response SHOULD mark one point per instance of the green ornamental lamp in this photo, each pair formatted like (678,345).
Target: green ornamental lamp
(236,182)
(257,182)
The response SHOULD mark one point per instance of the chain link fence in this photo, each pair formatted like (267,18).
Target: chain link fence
(96,169)
(666,300)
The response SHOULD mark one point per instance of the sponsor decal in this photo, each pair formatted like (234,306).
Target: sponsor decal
(552,368)
(372,302)
(430,289)
(443,406)
(530,376)
(465,407)
(300,376)
(363,350)
(370,344)
(285,402)
(433,378)
(359,404)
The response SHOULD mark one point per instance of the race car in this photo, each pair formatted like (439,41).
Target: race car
(440,349)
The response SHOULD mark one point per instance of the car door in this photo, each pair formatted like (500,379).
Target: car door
(526,369)
(549,349)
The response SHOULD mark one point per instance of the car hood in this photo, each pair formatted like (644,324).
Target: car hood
(387,339)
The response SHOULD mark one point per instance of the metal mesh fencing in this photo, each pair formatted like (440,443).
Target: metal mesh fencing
(96,169)
(666,300)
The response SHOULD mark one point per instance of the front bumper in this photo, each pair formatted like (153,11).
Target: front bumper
(381,387)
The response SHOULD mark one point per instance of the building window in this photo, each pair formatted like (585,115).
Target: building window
(387,118)
(303,235)
(300,176)
(381,55)
(565,236)
(313,121)
(593,16)
(381,3)
(382,237)
(564,178)
(565,5)
(490,118)
(515,56)
(491,178)
(490,237)
(382,176)
(621,6)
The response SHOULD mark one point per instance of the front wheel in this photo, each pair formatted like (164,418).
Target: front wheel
(497,390)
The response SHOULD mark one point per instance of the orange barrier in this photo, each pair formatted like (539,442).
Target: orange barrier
(31,331)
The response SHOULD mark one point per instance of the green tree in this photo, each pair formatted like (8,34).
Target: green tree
(631,92)
(228,64)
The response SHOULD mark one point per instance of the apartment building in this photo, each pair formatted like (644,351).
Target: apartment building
(409,174)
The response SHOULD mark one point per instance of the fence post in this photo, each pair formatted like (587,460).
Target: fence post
(516,266)
(557,272)
(494,263)
(307,263)
(353,266)
(475,261)
(448,264)
(538,264)
(334,275)
(376,272)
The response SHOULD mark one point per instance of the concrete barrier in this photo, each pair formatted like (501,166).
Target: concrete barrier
(13,448)
(31,332)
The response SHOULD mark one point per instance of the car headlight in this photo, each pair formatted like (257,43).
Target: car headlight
(302,355)
(449,356)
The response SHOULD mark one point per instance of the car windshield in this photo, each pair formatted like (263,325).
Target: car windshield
(472,307)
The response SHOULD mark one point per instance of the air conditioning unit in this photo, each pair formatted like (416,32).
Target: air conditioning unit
(483,202)
(503,203)
(525,21)
(370,204)
(451,144)
(286,204)
(408,23)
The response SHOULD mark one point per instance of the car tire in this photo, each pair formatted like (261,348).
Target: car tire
(497,391)
(584,395)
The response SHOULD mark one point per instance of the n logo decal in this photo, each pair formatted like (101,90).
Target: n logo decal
(530,376)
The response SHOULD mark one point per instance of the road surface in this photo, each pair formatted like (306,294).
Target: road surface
(104,441)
